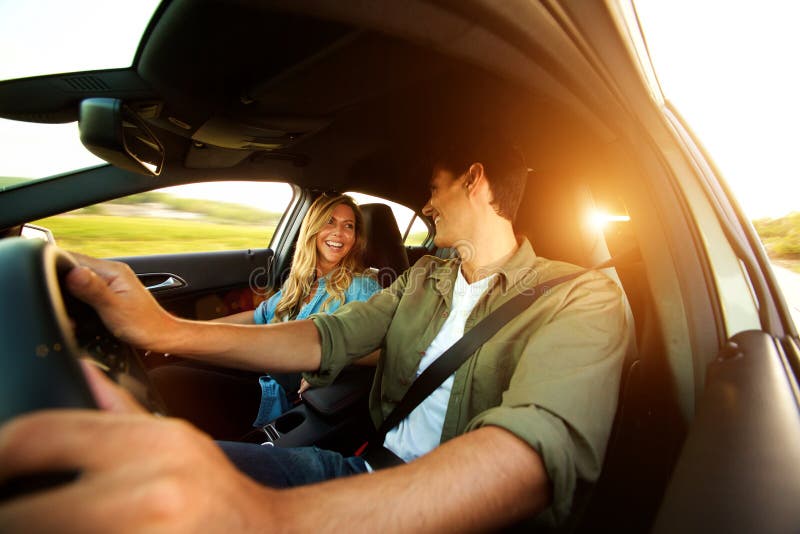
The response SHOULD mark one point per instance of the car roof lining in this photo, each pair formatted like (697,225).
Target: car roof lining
(421,71)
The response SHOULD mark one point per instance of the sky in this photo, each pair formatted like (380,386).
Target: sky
(730,67)
(726,65)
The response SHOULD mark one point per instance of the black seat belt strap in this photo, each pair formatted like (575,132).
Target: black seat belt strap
(461,350)
(449,362)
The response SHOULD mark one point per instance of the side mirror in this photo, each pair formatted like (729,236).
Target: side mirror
(31,231)
(113,131)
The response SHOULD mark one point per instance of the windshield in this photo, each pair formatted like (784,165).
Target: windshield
(41,37)
(32,151)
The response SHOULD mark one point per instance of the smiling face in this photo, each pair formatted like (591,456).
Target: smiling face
(448,207)
(336,238)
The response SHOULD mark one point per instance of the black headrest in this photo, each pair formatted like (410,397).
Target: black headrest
(385,251)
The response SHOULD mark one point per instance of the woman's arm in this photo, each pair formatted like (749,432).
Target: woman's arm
(245,317)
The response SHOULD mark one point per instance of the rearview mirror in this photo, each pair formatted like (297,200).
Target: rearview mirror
(113,131)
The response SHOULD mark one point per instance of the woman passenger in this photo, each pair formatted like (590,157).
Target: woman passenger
(327,259)
(328,255)
(326,273)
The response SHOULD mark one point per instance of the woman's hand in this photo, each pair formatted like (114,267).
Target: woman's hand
(304,386)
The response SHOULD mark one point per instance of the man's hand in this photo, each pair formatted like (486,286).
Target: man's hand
(131,313)
(142,473)
(108,395)
(138,472)
(128,310)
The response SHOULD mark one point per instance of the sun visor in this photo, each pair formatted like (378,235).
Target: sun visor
(257,133)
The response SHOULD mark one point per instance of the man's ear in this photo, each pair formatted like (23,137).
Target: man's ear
(474,176)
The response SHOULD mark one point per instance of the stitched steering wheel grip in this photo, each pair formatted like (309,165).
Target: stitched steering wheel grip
(38,360)
(38,365)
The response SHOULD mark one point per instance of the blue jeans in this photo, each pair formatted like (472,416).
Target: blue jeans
(286,468)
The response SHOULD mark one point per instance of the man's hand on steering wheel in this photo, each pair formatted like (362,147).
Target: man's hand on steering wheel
(109,396)
(127,309)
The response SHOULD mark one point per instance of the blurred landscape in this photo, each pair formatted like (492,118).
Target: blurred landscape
(8,180)
(158,223)
(781,238)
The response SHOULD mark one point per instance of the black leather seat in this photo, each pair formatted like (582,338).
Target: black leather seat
(385,250)
(554,215)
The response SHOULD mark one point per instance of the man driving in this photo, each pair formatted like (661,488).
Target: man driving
(504,438)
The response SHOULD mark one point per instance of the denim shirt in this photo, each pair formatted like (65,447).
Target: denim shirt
(361,288)
(273,398)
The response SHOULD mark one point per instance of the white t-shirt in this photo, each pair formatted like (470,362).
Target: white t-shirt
(421,431)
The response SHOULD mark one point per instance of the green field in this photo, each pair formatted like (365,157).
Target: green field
(781,238)
(101,231)
(109,236)
(106,236)
(6,181)
(416,238)
(212,211)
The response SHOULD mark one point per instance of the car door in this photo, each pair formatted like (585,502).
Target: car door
(739,468)
(205,285)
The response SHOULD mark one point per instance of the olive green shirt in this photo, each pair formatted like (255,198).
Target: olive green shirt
(550,376)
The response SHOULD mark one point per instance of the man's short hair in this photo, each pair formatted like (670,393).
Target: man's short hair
(502,162)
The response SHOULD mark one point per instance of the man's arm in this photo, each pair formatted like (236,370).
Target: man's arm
(479,481)
(146,473)
(132,314)
(158,474)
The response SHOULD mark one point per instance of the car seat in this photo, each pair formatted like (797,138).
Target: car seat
(556,217)
(385,252)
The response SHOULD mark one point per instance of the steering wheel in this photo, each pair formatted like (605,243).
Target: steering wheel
(39,357)
(38,365)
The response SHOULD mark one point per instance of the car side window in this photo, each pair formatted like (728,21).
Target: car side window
(203,217)
(412,227)
(417,232)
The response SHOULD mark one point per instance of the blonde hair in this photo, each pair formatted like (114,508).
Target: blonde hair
(304,264)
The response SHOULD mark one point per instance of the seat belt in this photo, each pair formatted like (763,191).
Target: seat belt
(451,359)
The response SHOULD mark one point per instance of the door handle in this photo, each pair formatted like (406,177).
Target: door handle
(161,281)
